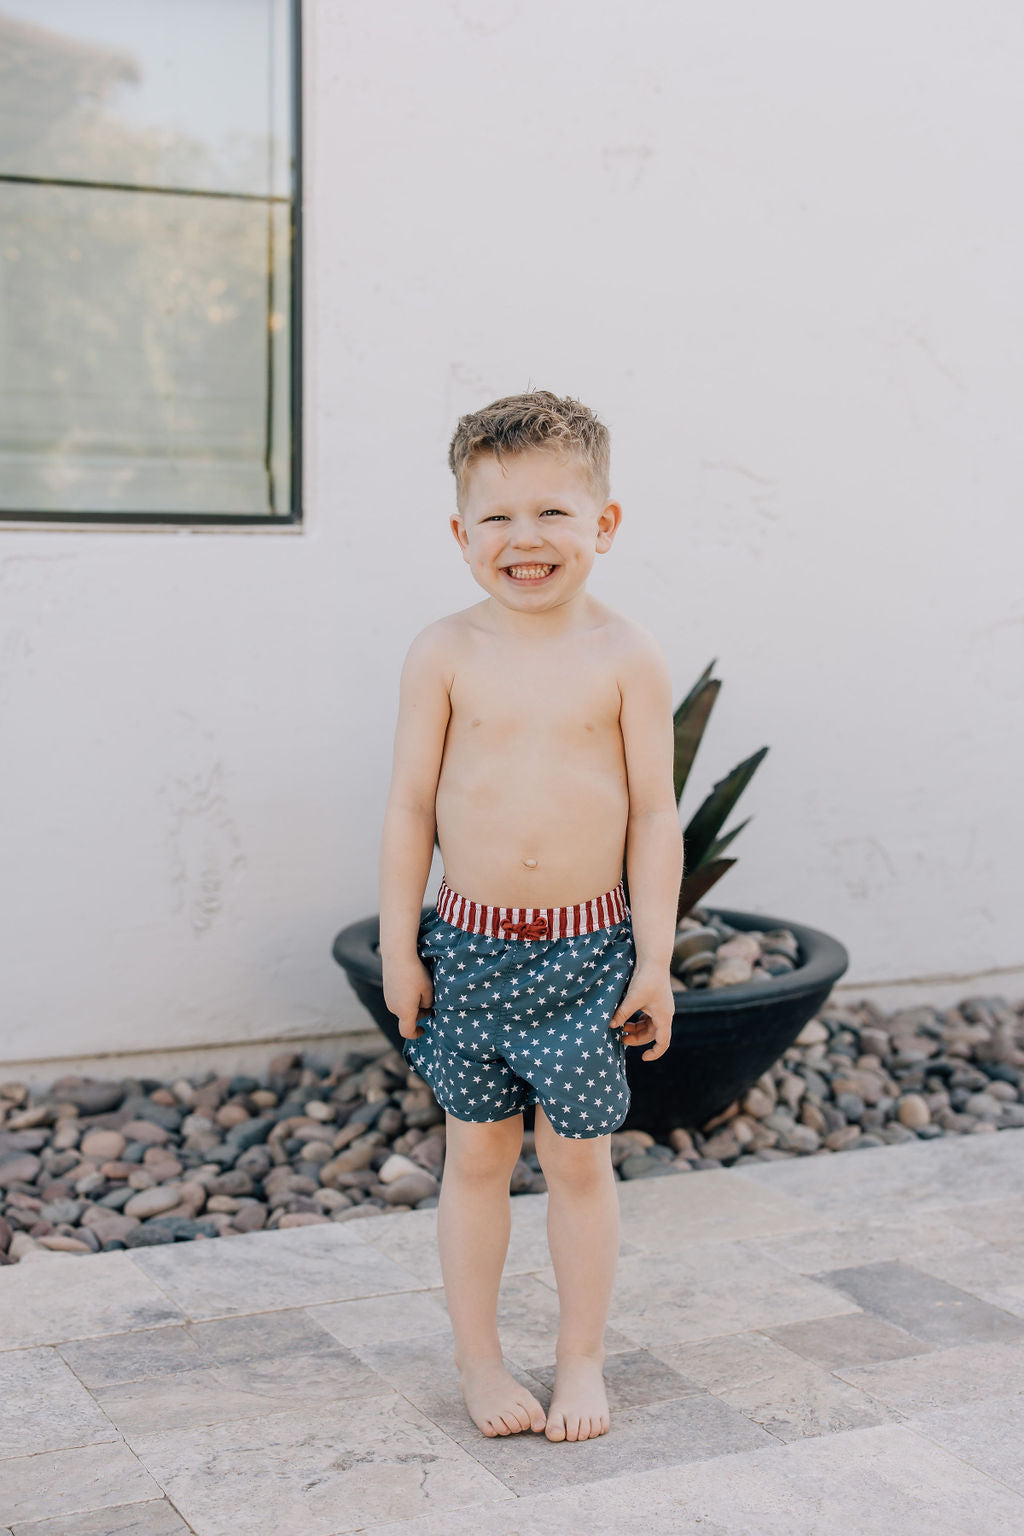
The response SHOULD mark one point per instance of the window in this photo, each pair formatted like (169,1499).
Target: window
(149,261)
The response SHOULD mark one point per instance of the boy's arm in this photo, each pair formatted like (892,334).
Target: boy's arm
(654,840)
(407,839)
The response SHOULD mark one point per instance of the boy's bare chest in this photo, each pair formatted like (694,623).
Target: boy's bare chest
(533,701)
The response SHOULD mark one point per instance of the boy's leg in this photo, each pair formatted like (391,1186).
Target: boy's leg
(473,1224)
(583,1235)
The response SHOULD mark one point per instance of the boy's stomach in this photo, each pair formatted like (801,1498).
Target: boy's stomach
(572,826)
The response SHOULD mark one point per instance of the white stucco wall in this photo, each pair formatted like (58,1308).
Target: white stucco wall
(778,249)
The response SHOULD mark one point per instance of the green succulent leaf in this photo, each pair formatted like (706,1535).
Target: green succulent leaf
(698,883)
(689,723)
(722,843)
(706,823)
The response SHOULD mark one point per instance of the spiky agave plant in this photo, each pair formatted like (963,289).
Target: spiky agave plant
(703,845)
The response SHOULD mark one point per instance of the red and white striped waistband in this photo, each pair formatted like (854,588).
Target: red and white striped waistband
(531,922)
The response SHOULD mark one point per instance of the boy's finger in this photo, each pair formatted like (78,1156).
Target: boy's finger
(660,1046)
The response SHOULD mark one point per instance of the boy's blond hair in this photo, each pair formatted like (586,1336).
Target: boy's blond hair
(537,419)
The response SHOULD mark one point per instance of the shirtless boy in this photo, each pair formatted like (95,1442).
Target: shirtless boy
(535,734)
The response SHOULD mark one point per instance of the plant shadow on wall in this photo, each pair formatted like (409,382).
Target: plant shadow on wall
(744,983)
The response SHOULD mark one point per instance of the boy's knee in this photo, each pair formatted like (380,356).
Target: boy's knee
(575,1164)
(483,1151)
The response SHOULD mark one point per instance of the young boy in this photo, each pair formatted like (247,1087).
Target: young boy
(535,734)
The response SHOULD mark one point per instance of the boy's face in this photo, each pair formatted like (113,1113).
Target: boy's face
(529,529)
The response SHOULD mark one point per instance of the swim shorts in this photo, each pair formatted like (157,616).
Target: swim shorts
(523,999)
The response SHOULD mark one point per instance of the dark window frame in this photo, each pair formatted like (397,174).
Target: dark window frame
(268,521)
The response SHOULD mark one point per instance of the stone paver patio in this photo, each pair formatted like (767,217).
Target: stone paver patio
(826,1345)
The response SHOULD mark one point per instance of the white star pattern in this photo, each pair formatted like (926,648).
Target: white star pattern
(510,1064)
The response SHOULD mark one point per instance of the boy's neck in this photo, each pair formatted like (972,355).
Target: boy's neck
(577,613)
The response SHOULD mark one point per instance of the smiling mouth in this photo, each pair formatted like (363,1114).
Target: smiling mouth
(529,573)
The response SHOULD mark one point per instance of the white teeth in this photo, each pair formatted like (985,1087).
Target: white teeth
(529,571)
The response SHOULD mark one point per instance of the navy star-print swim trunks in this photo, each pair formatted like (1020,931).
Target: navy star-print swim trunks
(523,999)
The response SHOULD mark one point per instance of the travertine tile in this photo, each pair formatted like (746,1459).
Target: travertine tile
(383,1319)
(857,1338)
(989,1435)
(944,1378)
(994,1274)
(867,1482)
(44,1407)
(634,1379)
(127,1357)
(866,1241)
(932,1310)
(656,1435)
(719,1288)
(915,1176)
(238,1390)
(999,1221)
(423,1370)
(674,1215)
(781,1391)
(77,1298)
(153,1518)
(264,1271)
(321,1471)
(55,1484)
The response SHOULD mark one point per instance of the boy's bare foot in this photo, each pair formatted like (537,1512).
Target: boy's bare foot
(579,1404)
(497,1403)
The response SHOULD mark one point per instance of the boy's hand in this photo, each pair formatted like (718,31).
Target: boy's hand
(650,993)
(409,994)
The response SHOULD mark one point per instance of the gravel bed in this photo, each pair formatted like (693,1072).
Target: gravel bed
(91,1165)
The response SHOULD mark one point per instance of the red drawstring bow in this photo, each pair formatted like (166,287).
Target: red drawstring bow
(537,929)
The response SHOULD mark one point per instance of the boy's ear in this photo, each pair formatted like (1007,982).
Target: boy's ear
(608,521)
(461,536)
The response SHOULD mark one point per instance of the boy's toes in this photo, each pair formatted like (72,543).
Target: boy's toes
(531,1414)
(572,1427)
(555,1429)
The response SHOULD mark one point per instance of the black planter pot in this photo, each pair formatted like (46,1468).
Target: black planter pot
(722,1041)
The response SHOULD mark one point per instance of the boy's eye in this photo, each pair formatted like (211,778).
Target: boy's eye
(496,515)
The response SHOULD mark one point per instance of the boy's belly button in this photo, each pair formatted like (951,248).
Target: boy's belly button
(530,863)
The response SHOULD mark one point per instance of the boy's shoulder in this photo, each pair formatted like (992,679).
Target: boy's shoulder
(632,640)
(441,632)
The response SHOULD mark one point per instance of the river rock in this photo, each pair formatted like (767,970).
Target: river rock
(251,1218)
(984,1106)
(395,1166)
(146,1131)
(722,1146)
(913,1111)
(730,971)
(18,1168)
(92,1096)
(150,1202)
(105,1145)
(109,1225)
(409,1188)
(59,1242)
(61,1210)
(229,1115)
